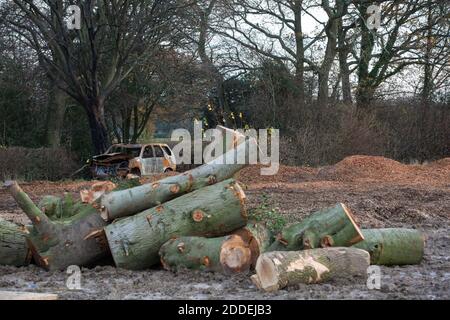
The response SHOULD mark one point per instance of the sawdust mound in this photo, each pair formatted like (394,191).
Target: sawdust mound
(364,167)
(286,174)
(355,168)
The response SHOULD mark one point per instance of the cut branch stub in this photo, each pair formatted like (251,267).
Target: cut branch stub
(228,254)
(210,212)
(61,243)
(332,227)
(393,246)
(132,201)
(14,250)
(277,270)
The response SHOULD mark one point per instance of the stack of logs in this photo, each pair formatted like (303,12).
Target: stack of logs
(198,220)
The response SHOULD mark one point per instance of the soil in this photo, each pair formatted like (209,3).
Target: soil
(381,193)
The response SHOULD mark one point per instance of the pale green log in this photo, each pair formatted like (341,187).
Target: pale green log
(393,246)
(210,212)
(13,245)
(227,255)
(131,201)
(277,270)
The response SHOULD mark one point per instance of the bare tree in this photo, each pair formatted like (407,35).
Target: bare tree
(396,37)
(91,62)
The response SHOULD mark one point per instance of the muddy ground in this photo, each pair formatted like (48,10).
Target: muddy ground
(381,193)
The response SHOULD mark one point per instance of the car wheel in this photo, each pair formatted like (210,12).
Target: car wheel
(168,170)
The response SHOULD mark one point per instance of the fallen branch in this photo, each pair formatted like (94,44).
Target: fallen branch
(277,270)
(393,246)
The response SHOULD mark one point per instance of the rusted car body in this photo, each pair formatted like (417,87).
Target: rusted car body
(136,159)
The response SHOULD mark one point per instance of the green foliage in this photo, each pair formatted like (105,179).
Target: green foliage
(125,184)
(268,215)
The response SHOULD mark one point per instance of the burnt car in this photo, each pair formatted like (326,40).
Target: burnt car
(122,160)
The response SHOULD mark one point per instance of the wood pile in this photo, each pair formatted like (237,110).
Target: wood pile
(198,220)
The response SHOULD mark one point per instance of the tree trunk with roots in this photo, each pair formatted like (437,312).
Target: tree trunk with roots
(55,245)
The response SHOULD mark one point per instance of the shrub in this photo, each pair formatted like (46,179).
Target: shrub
(36,164)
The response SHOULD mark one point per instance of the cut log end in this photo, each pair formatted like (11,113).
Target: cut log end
(235,256)
(267,274)
(359,237)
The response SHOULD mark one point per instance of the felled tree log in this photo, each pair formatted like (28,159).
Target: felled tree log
(61,243)
(210,212)
(13,245)
(258,237)
(393,246)
(332,227)
(226,254)
(277,270)
(128,202)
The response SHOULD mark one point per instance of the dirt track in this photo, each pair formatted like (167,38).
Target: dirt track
(381,192)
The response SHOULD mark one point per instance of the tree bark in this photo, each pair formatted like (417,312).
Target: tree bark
(258,238)
(278,270)
(393,246)
(365,91)
(228,254)
(333,227)
(14,250)
(99,134)
(210,212)
(128,202)
(343,64)
(300,54)
(55,117)
(325,68)
(58,244)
